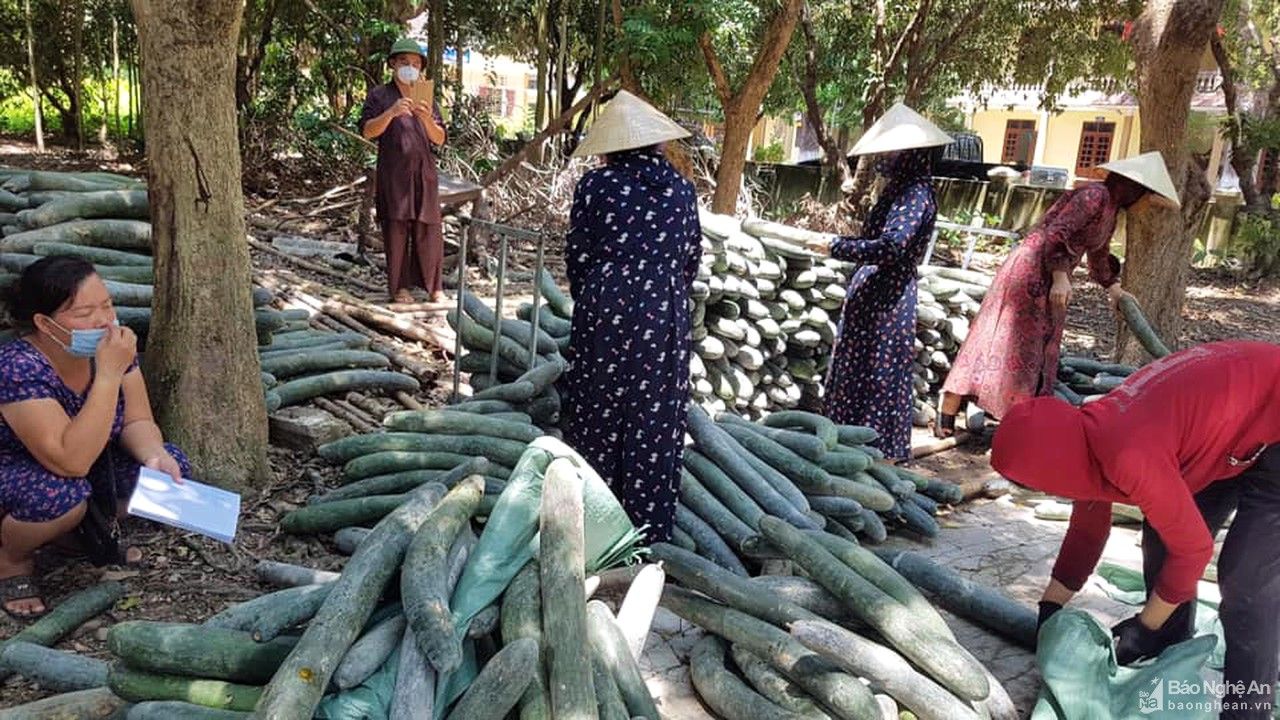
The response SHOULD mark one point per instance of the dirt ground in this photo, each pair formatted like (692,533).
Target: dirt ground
(187,578)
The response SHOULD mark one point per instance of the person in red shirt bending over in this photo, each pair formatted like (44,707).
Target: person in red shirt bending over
(1188,439)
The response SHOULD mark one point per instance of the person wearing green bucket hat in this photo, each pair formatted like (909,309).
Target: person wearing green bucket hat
(408,130)
(406,46)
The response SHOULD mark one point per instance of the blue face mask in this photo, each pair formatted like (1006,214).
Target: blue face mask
(84,343)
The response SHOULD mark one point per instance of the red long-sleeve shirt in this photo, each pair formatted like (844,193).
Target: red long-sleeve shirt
(1173,428)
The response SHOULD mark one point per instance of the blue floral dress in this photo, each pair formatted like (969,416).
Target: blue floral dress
(870,379)
(29,491)
(632,253)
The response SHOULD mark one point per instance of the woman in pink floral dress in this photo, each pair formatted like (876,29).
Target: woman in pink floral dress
(1012,350)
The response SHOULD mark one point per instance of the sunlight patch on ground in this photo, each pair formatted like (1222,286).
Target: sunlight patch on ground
(9,148)
(1083,342)
(1267,297)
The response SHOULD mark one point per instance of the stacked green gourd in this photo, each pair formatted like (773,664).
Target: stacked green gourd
(765,314)
(99,217)
(102,218)
(1081,380)
(764,317)
(949,299)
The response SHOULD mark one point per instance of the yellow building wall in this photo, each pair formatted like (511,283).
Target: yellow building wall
(990,126)
(501,77)
(1062,141)
(1062,145)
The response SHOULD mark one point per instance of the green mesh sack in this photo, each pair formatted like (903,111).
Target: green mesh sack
(510,540)
(370,700)
(1081,680)
(1126,586)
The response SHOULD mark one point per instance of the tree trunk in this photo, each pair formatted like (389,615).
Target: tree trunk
(1267,185)
(553,45)
(1268,173)
(131,86)
(137,126)
(77,70)
(68,114)
(115,75)
(889,63)
(258,30)
(562,63)
(858,200)
(201,354)
(741,108)
(104,79)
(738,125)
(597,55)
(334,92)
(35,83)
(458,88)
(374,65)
(1241,161)
(630,82)
(435,41)
(544,55)
(364,223)
(833,158)
(1169,39)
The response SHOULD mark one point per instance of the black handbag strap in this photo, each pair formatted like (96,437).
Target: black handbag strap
(99,531)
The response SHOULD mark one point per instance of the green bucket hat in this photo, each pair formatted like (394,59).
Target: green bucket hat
(406,45)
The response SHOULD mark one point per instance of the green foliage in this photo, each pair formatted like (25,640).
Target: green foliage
(1258,133)
(974,45)
(771,153)
(959,240)
(1060,43)
(1251,46)
(948,118)
(11,84)
(845,66)
(304,68)
(1257,241)
(16,115)
(54,25)
(1253,55)
(1201,130)
(661,39)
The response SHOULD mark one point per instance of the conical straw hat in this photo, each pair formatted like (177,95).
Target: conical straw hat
(627,123)
(1148,170)
(900,129)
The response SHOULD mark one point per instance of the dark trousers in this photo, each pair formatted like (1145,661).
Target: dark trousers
(1249,578)
(415,255)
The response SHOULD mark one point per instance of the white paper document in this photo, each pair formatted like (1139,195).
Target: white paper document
(191,506)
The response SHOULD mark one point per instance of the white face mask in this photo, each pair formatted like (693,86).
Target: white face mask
(407,73)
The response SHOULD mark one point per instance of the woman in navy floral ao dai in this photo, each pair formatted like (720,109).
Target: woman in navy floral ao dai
(869,382)
(632,254)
